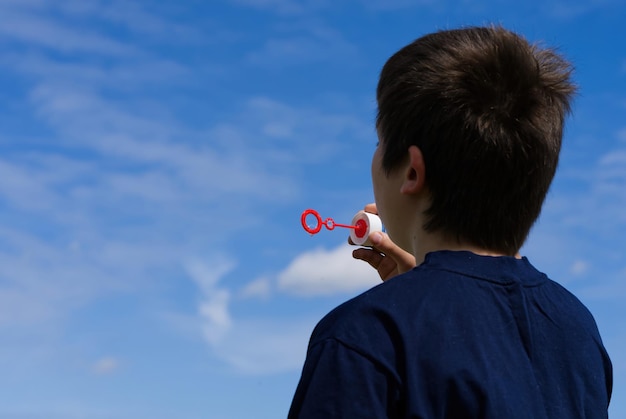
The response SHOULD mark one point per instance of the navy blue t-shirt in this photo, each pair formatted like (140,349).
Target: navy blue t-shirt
(460,336)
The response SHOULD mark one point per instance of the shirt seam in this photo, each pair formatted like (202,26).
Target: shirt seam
(363,354)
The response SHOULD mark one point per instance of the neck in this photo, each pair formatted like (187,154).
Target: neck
(431,242)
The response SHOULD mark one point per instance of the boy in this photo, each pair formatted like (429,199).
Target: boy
(470,124)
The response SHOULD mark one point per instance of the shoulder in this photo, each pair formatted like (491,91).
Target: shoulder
(349,322)
(566,308)
(378,317)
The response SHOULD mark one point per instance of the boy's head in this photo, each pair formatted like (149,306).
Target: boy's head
(487,110)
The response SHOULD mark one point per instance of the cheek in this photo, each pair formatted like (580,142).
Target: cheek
(374,160)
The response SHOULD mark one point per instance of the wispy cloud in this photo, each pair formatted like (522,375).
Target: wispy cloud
(70,26)
(285,7)
(573,9)
(266,345)
(106,365)
(87,121)
(214,307)
(308,7)
(579,267)
(260,345)
(44,280)
(130,75)
(391,5)
(259,288)
(303,44)
(41,31)
(295,51)
(585,223)
(135,17)
(124,190)
(612,288)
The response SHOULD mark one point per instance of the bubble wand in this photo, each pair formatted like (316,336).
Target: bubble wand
(362,225)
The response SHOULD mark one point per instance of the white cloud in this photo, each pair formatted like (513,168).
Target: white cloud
(45,279)
(309,7)
(207,274)
(70,26)
(584,223)
(285,7)
(259,288)
(611,288)
(257,346)
(274,4)
(151,165)
(612,166)
(131,74)
(299,128)
(574,8)
(250,346)
(305,44)
(266,346)
(26,187)
(120,190)
(44,32)
(134,16)
(327,272)
(106,365)
(42,281)
(579,267)
(226,152)
(394,5)
(213,310)
(271,345)
(215,315)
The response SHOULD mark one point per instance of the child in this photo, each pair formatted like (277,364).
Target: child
(470,123)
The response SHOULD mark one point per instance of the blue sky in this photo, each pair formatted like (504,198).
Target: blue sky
(155,159)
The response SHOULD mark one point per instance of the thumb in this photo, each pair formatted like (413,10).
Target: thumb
(383,243)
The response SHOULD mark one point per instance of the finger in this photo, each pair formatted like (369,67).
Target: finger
(370,256)
(385,266)
(352,243)
(385,245)
(387,269)
(371,208)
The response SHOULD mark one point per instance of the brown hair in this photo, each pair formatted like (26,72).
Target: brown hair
(487,110)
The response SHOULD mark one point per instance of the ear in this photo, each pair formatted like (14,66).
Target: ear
(415,175)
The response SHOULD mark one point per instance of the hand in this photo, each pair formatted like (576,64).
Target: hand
(386,257)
